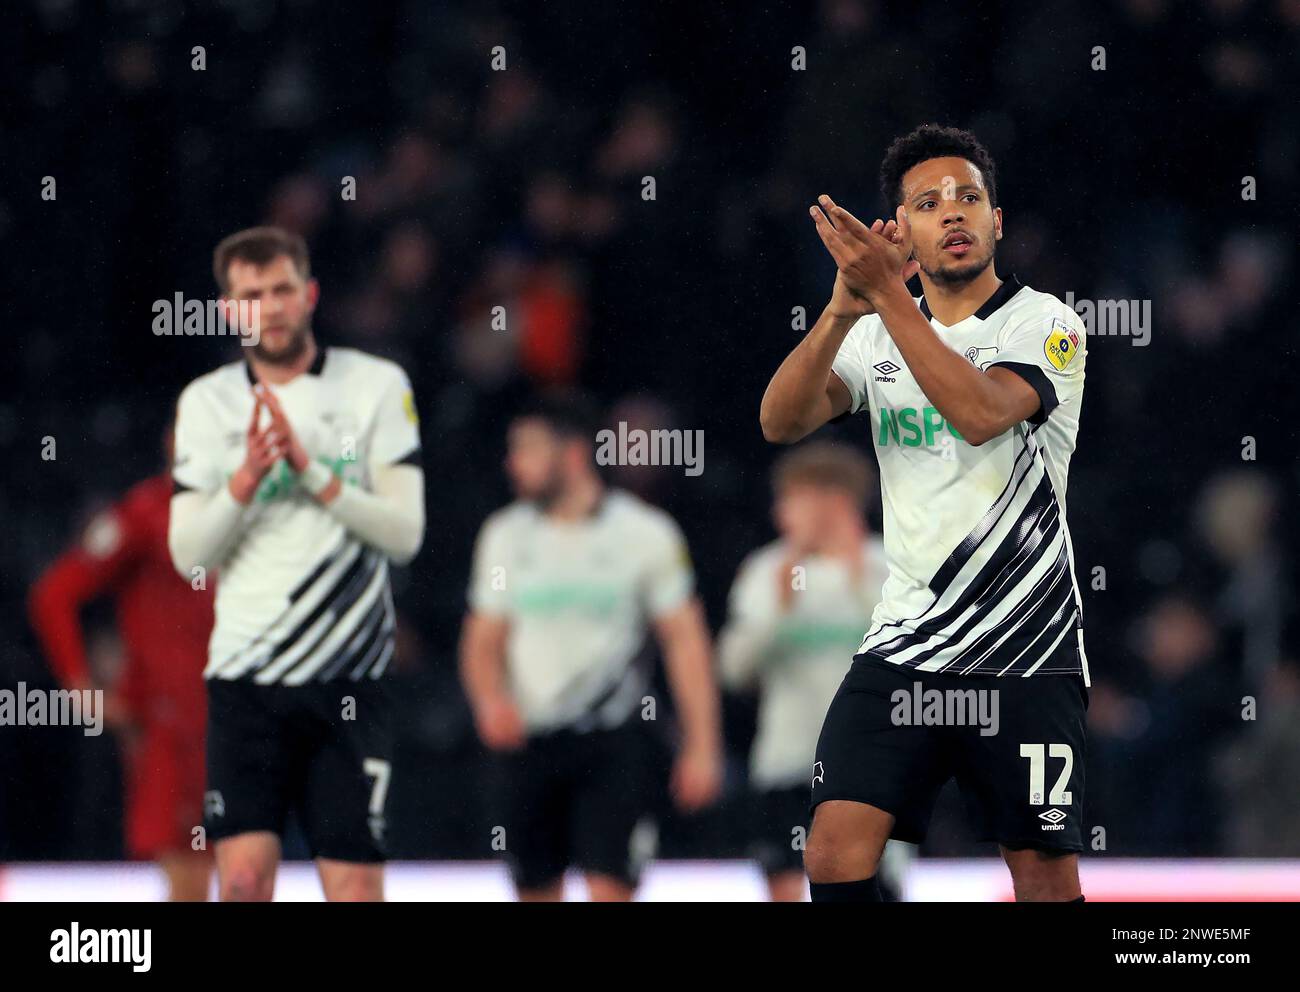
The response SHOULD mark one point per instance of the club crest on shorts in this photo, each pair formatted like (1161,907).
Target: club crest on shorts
(214,804)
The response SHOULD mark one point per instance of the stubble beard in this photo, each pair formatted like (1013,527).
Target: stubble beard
(962,276)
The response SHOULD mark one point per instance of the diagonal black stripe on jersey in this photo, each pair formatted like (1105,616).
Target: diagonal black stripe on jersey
(1034,609)
(368,590)
(1025,562)
(358,644)
(1035,612)
(1027,525)
(383,639)
(317,572)
(343,594)
(971,542)
(1049,640)
(266,637)
(1008,494)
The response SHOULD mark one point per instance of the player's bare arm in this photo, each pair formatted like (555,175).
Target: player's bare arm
(981,405)
(483,675)
(684,639)
(804,394)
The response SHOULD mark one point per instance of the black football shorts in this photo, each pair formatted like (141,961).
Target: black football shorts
(322,749)
(893,737)
(585,800)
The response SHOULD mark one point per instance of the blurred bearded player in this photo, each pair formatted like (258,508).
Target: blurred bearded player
(158,701)
(567,582)
(298,477)
(974,391)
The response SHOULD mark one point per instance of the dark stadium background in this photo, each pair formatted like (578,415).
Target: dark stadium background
(522,188)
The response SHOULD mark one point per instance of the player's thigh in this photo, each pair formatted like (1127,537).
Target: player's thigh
(1023,776)
(253,760)
(347,881)
(246,866)
(615,829)
(869,754)
(349,772)
(846,841)
(530,802)
(1043,876)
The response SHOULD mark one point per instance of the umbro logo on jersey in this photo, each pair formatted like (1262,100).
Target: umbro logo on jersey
(819,774)
(1053,818)
(886,370)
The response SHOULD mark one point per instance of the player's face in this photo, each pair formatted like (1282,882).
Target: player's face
(798,513)
(954,227)
(535,461)
(286,302)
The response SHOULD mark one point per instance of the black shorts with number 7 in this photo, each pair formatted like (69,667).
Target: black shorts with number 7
(323,750)
(893,737)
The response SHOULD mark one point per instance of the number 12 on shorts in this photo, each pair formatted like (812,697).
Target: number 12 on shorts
(1060,796)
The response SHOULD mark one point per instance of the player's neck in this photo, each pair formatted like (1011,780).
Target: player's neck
(278,373)
(951,304)
(579,500)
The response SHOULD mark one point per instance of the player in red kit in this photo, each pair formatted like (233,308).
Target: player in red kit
(164,624)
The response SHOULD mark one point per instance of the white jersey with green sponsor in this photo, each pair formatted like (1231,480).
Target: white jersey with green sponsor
(981,571)
(796,656)
(299,597)
(579,597)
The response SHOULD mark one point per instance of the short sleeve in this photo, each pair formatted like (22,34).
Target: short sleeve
(197,445)
(489,582)
(1049,353)
(396,438)
(851,364)
(669,577)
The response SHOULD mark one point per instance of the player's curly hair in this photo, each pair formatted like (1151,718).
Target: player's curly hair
(933,141)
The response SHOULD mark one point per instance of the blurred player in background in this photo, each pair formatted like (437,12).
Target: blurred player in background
(974,392)
(566,582)
(298,475)
(157,701)
(798,608)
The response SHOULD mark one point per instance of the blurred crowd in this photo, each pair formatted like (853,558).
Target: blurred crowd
(503,238)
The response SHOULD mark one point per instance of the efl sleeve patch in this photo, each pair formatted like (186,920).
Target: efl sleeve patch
(1061,345)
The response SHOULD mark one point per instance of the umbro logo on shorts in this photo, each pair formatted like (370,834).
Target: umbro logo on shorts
(1053,818)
